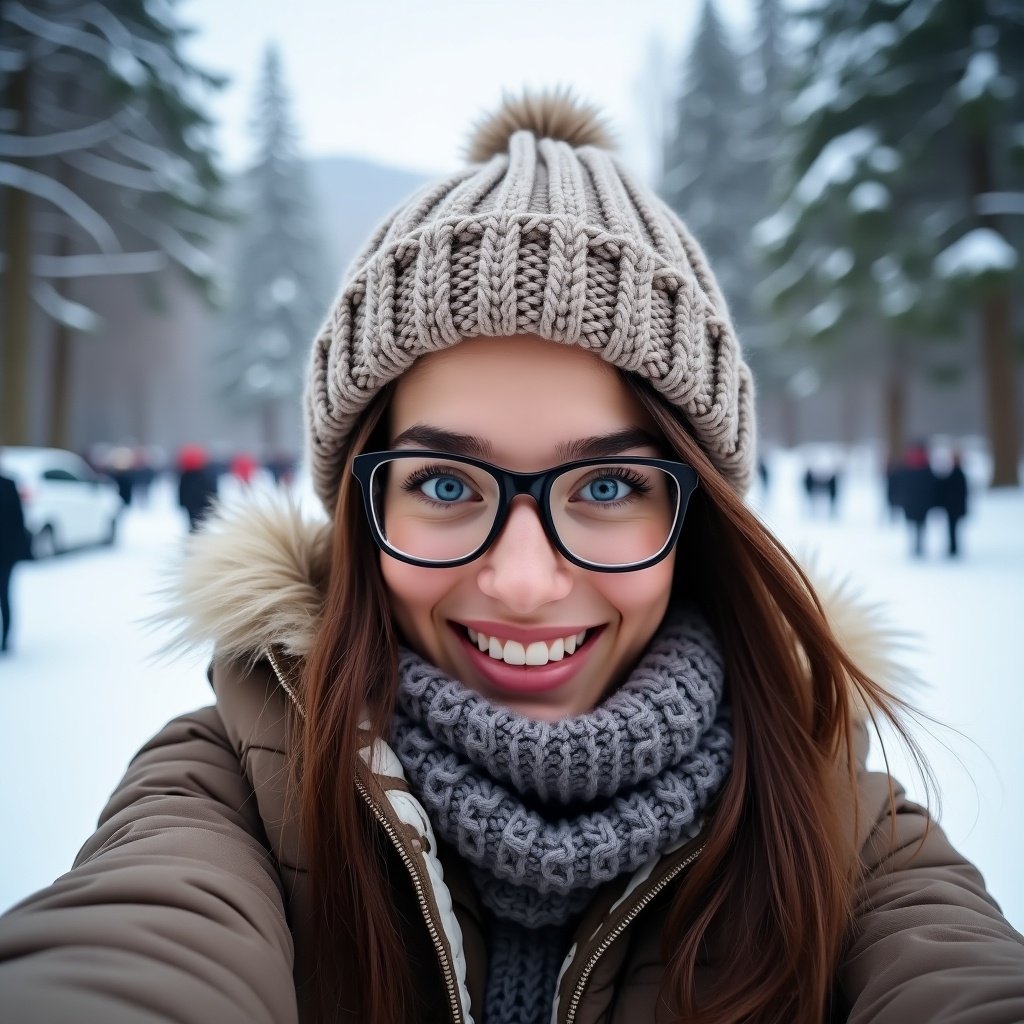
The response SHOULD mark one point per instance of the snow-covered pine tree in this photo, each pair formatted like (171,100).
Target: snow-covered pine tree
(278,293)
(710,176)
(908,130)
(782,373)
(107,168)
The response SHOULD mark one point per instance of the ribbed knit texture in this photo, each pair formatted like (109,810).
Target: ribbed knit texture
(546,812)
(545,239)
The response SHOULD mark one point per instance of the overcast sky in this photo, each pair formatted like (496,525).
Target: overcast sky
(402,81)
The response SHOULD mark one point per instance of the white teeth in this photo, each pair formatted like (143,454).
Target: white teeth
(515,653)
(537,653)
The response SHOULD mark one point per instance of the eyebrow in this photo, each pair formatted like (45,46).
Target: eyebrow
(599,446)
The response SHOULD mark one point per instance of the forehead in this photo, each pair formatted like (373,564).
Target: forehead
(522,394)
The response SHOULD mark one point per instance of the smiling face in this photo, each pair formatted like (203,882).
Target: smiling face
(527,402)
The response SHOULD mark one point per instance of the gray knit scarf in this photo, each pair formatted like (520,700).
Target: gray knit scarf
(545,813)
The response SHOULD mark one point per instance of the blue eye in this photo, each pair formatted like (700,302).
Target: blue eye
(605,488)
(447,489)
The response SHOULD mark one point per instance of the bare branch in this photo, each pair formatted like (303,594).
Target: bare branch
(179,248)
(115,173)
(27,146)
(62,35)
(99,264)
(62,197)
(64,311)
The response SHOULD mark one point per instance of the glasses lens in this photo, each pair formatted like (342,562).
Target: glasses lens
(432,509)
(615,514)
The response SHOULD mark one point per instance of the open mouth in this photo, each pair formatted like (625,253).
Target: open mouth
(535,654)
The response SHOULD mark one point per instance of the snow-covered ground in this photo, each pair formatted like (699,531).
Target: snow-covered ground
(82,690)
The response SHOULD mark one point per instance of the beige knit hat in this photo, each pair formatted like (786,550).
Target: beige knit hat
(545,234)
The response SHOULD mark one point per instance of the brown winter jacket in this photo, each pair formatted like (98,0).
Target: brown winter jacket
(190,902)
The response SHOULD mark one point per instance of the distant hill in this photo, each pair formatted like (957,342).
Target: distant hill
(354,196)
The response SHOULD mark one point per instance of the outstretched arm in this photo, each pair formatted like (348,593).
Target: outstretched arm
(173,910)
(929,943)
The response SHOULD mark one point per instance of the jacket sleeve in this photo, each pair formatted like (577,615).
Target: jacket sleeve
(929,942)
(173,910)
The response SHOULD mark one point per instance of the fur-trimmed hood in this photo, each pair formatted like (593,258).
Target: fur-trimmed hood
(254,577)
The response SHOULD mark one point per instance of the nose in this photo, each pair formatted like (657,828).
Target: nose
(522,569)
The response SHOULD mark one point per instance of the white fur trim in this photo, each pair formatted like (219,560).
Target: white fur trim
(250,579)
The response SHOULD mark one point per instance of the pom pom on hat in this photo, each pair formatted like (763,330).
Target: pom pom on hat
(549,114)
(544,233)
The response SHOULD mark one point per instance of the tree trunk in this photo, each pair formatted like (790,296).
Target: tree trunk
(17,285)
(997,349)
(1000,387)
(60,373)
(60,387)
(895,404)
(849,409)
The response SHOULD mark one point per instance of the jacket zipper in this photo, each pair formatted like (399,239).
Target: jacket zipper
(417,882)
(577,994)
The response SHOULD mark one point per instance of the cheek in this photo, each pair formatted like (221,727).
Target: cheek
(640,597)
(414,592)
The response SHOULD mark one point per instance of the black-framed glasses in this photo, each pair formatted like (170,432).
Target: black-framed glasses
(439,510)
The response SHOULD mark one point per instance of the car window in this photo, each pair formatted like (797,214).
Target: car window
(60,474)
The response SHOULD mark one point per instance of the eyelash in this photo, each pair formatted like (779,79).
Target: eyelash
(627,476)
(426,473)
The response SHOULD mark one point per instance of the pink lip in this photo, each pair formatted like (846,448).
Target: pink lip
(516,679)
(523,634)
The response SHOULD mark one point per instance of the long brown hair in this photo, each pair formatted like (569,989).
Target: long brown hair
(778,866)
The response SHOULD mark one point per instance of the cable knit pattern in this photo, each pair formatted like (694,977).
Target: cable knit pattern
(550,239)
(544,813)
(644,727)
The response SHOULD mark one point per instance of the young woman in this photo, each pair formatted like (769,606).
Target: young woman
(541,724)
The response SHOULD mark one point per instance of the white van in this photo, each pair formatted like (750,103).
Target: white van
(66,504)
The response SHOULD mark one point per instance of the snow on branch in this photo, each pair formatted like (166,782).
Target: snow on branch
(835,164)
(980,251)
(62,197)
(153,157)
(995,204)
(64,311)
(61,142)
(56,33)
(99,264)
(773,232)
(128,51)
(12,61)
(179,248)
(115,173)
(982,79)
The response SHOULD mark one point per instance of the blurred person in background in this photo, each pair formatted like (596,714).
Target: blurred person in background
(541,722)
(281,466)
(14,547)
(951,497)
(144,475)
(243,467)
(121,466)
(197,484)
(916,492)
